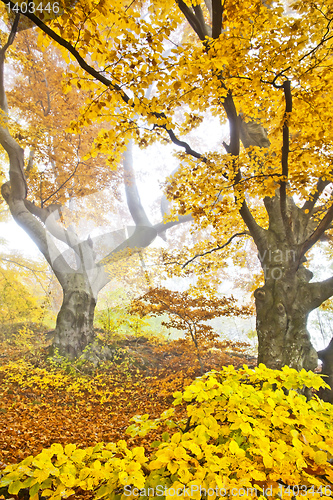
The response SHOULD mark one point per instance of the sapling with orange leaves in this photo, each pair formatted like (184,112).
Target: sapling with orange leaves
(189,314)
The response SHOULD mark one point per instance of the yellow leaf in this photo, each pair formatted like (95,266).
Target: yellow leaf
(97,465)
(320,457)
(69,448)
(235,449)
(57,448)
(179,452)
(268,461)
(68,480)
(258,475)
(245,428)
(172,467)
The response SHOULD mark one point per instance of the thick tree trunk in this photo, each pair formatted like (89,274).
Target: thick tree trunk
(282,312)
(285,301)
(74,328)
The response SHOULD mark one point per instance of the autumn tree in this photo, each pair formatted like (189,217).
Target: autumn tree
(82,268)
(24,294)
(189,314)
(262,68)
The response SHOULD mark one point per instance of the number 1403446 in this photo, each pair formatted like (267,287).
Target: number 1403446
(33,7)
(303,490)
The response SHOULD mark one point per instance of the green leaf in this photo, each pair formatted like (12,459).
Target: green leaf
(103,491)
(166,436)
(155,444)
(15,487)
(34,490)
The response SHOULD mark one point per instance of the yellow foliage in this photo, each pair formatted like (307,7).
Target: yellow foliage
(259,46)
(247,432)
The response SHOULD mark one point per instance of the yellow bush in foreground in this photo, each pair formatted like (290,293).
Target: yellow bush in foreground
(248,433)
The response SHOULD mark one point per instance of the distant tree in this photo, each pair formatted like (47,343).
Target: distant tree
(41,218)
(23,290)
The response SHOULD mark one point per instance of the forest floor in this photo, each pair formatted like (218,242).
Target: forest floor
(43,402)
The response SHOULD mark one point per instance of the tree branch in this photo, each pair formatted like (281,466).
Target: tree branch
(30,162)
(15,152)
(33,271)
(285,153)
(244,233)
(11,37)
(252,134)
(234,124)
(316,235)
(62,184)
(193,20)
(132,194)
(230,109)
(142,237)
(182,144)
(161,227)
(200,17)
(101,78)
(217,12)
(309,204)
(15,191)
(320,291)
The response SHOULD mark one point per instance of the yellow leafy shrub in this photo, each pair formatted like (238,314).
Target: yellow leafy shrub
(248,433)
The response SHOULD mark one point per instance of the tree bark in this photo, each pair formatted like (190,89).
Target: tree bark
(284,302)
(74,327)
(282,311)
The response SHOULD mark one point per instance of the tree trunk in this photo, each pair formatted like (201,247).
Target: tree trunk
(287,297)
(282,312)
(74,328)
(284,302)
(326,356)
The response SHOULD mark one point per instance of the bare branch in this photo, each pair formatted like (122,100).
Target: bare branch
(193,20)
(316,235)
(285,153)
(219,247)
(10,40)
(309,204)
(132,194)
(217,12)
